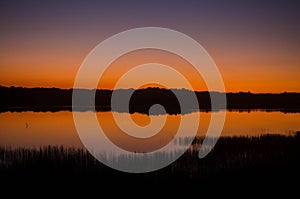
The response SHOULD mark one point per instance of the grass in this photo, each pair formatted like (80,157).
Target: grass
(266,164)
(231,156)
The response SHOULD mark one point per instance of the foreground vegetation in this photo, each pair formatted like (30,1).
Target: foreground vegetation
(261,159)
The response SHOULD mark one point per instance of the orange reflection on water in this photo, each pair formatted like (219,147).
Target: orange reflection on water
(138,144)
(35,129)
(256,123)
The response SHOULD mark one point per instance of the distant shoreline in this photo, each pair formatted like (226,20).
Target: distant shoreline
(55,109)
(54,99)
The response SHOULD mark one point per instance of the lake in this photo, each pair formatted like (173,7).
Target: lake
(35,129)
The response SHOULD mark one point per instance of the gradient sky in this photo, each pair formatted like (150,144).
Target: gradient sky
(255,44)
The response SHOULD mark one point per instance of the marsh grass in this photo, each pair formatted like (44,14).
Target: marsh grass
(230,155)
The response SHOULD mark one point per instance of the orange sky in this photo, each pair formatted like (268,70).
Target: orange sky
(240,72)
(255,45)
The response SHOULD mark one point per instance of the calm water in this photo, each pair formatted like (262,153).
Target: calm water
(35,129)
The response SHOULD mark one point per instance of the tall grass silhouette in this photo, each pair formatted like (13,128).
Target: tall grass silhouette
(251,156)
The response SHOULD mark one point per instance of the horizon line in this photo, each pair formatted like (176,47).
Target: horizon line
(150,87)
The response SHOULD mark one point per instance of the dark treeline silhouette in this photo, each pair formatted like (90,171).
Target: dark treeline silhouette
(55,99)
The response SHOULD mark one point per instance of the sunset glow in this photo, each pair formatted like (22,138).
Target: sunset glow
(43,45)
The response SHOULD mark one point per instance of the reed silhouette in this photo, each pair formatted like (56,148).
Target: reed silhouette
(263,157)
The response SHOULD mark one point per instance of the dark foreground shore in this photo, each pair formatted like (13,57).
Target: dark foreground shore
(269,160)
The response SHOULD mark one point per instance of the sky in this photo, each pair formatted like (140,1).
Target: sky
(255,44)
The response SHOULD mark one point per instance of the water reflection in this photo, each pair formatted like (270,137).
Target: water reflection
(35,129)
